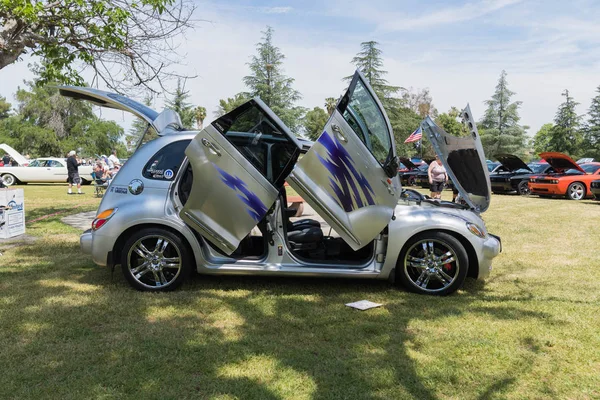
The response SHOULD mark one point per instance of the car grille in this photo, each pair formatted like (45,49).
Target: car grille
(500,179)
(542,180)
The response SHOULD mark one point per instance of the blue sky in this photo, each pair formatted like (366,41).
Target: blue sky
(457,49)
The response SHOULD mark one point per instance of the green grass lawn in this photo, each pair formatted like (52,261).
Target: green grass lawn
(69,330)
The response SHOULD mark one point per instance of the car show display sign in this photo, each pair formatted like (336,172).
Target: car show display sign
(12,213)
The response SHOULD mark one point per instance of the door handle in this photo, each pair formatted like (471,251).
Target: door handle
(211,146)
(338,132)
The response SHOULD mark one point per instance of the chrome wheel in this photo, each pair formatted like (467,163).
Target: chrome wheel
(523,188)
(8,179)
(576,191)
(431,265)
(154,261)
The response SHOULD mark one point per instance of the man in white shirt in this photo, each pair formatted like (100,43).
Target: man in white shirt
(113,159)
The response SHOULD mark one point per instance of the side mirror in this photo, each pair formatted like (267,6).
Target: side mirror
(391,166)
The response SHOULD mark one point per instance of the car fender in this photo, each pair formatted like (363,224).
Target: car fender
(412,220)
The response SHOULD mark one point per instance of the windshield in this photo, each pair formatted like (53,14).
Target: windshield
(424,167)
(590,168)
(535,167)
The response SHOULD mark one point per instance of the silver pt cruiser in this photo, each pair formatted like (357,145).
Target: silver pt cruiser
(215,201)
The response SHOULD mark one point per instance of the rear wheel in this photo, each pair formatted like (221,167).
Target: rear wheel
(433,263)
(9,179)
(576,191)
(156,260)
(523,188)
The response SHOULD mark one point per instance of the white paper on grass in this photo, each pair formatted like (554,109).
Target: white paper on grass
(363,305)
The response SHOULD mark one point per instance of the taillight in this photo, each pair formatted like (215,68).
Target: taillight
(103,218)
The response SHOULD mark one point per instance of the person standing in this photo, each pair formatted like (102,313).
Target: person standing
(113,160)
(73,172)
(437,177)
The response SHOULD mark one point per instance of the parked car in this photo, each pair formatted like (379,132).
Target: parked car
(43,170)
(192,199)
(595,189)
(15,155)
(571,180)
(411,177)
(513,177)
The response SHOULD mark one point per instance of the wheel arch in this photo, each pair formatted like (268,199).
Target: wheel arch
(120,242)
(473,267)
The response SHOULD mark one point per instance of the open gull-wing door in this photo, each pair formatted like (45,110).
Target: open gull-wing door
(349,176)
(239,165)
(159,121)
(463,159)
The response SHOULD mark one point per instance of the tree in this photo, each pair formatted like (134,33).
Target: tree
(592,129)
(420,101)
(200,115)
(231,103)
(314,121)
(449,122)
(5,107)
(138,129)
(404,121)
(566,135)
(179,104)
(501,130)
(330,104)
(125,43)
(369,62)
(268,81)
(541,140)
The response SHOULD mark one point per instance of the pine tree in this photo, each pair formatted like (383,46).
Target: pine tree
(592,131)
(268,81)
(179,104)
(369,62)
(501,130)
(231,103)
(566,135)
(138,128)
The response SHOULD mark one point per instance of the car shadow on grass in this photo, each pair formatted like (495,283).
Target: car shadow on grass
(72,331)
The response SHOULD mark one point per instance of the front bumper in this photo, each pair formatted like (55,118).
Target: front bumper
(492,246)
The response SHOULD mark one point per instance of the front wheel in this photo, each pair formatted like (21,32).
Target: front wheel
(576,191)
(9,179)
(433,263)
(523,188)
(156,260)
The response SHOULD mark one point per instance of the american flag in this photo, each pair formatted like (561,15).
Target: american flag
(415,136)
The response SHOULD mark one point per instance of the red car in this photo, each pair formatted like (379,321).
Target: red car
(571,180)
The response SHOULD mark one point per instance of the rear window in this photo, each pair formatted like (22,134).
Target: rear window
(166,162)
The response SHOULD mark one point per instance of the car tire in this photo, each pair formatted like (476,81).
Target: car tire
(420,273)
(155,260)
(9,179)
(576,191)
(412,181)
(523,188)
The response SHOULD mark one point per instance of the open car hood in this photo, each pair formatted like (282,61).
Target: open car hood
(560,161)
(14,154)
(407,163)
(464,160)
(512,162)
(159,121)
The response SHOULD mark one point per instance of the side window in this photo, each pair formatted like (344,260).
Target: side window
(166,162)
(54,164)
(362,113)
(35,163)
(252,132)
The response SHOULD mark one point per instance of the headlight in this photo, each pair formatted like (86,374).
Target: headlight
(102,218)
(555,181)
(475,230)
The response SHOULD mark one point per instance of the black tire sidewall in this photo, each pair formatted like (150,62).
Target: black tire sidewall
(186,264)
(448,240)
(521,184)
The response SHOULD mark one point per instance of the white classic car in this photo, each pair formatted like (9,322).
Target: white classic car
(47,170)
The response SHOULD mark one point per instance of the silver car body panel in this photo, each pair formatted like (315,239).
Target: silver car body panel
(464,160)
(340,176)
